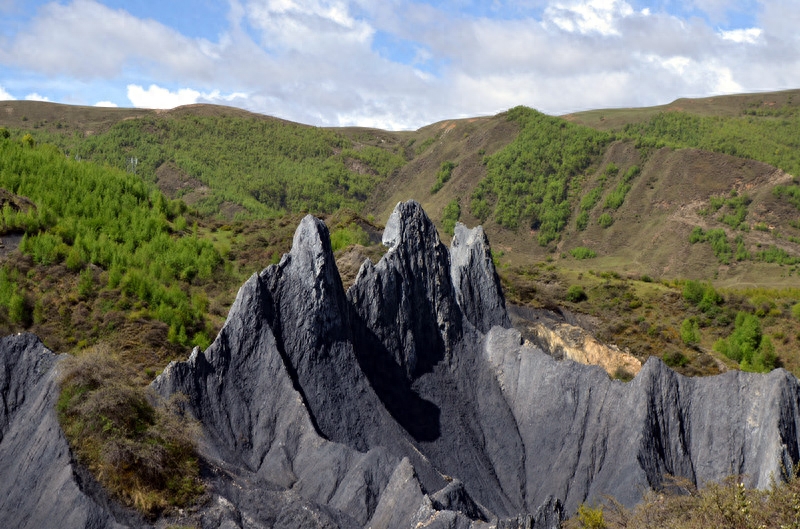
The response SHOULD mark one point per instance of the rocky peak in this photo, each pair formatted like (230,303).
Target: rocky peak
(407,299)
(478,290)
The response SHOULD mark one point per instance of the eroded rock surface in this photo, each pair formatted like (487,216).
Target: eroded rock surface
(40,486)
(564,341)
(407,401)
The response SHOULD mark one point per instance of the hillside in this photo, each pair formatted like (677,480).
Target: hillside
(566,206)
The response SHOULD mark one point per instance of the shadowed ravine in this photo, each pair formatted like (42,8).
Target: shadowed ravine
(407,401)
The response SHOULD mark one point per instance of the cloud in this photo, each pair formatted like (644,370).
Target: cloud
(107,104)
(749,35)
(588,16)
(5,96)
(307,25)
(326,62)
(33,96)
(158,97)
(88,40)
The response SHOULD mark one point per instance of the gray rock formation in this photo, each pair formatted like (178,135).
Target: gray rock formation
(407,402)
(39,484)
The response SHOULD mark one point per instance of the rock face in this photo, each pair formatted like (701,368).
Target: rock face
(407,401)
(562,340)
(39,484)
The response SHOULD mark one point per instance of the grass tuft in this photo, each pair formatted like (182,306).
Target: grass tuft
(142,453)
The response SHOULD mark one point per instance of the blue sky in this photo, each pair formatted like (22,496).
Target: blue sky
(396,64)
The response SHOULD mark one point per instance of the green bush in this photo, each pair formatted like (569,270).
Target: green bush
(443,175)
(748,346)
(702,295)
(576,294)
(690,331)
(693,291)
(450,215)
(605,220)
(348,236)
(719,243)
(17,311)
(591,198)
(791,192)
(582,252)
(773,254)
(582,221)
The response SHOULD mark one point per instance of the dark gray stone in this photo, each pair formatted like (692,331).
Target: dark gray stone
(405,402)
(40,485)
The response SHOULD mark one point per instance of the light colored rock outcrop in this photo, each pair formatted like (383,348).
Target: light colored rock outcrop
(562,340)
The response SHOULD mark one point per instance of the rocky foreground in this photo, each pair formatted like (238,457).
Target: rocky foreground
(407,401)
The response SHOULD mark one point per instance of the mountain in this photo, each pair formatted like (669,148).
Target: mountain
(405,401)
(650,179)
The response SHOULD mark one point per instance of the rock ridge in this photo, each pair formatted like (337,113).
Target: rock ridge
(406,401)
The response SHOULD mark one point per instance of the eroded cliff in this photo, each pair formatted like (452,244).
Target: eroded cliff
(407,401)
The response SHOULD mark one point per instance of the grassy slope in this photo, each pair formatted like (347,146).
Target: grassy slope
(648,235)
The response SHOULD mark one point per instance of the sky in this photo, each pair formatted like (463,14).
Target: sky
(395,64)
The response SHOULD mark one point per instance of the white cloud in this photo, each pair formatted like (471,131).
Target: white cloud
(158,97)
(5,96)
(313,60)
(33,96)
(699,77)
(88,40)
(307,25)
(748,36)
(107,104)
(588,16)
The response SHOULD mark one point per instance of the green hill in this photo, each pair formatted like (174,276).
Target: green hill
(698,189)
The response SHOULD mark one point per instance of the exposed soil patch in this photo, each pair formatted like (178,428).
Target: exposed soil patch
(229,210)
(175,183)
(9,243)
(15,202)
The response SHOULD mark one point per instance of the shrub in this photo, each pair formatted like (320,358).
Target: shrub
(591,517)
(697,235)
(443,176)
(605,220)
(747,345)
(582,252)
(576,294)
(17,311)
(143,455)
(450,215)
(674,359)
(690,331)
(582,221)
(348,236)
(693,291)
